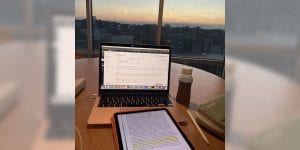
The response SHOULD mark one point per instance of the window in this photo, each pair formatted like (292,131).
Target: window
(124,21)
(195,32)
(197,29)
(193,28)
(80,26)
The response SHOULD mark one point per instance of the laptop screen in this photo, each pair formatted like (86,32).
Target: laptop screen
(138,68)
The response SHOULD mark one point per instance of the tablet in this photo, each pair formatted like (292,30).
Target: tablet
(149,129)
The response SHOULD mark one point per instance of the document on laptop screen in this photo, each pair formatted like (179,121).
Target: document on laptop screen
(150,130)
(135,70)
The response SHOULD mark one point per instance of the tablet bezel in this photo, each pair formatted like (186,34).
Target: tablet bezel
(116,121)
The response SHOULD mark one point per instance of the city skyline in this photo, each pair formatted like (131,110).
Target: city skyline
(195,12)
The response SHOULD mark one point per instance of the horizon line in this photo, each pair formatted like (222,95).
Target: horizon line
(178,24)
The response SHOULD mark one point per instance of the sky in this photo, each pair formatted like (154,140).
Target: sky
(196,12)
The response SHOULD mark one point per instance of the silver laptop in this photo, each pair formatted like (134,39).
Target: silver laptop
(134,75)
(131,77)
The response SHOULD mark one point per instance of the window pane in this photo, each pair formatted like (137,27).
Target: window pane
(195,31)
(124,21)
(80,27)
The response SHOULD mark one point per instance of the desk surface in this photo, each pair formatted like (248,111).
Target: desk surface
(205,87)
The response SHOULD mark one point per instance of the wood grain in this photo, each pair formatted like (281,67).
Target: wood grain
(205,87)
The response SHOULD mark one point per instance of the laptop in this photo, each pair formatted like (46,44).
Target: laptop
(131,77)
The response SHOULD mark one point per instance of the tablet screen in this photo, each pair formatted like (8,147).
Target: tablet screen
(150,130)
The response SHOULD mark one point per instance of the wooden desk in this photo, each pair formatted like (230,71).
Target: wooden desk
(205,87)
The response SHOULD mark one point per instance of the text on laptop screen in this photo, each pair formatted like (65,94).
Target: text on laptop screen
(134,68)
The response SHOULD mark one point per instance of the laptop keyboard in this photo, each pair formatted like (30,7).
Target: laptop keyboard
(134,100)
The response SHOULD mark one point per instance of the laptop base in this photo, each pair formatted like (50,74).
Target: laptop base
(103,115)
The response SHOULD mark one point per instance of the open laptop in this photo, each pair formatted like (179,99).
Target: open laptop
(131,77)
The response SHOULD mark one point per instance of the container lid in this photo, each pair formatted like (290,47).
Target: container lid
(187,71)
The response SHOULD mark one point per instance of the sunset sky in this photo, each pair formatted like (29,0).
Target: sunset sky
(202,12)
